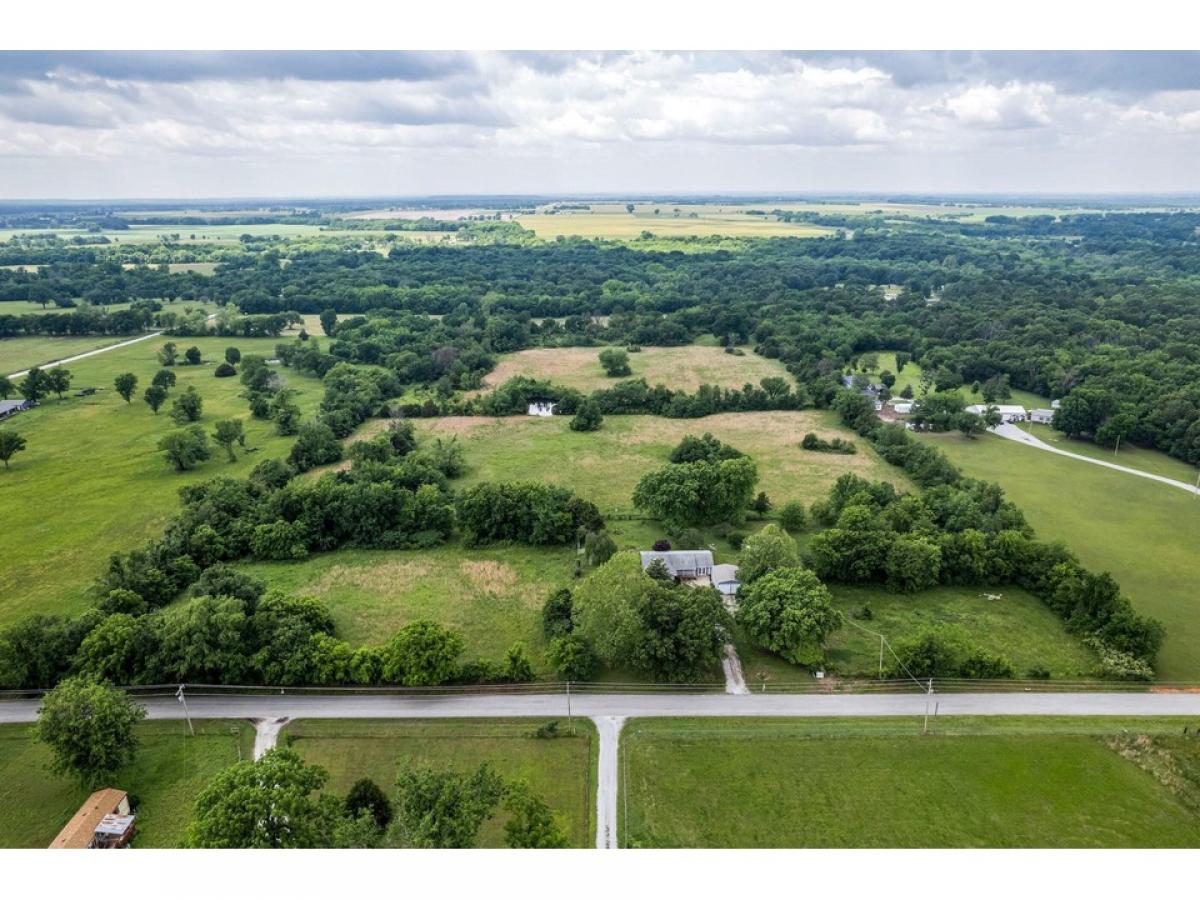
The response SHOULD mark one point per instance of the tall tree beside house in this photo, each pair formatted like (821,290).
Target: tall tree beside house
(126,384)
(790,612)
(11,444)
(35,385)
(89,729)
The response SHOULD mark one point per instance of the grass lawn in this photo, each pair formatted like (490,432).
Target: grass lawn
(1019,627)
(493,595)
(1143,532)
(561,770)
(169,770)
(1153,461)
(603,466)
(21,353)
(679,368)
(92,480)
(911,377)
(880,783)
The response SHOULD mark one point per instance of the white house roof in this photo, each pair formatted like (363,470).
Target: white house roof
(1005,409)
(680,560)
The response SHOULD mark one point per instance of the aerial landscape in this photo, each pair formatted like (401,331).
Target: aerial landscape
(599,518)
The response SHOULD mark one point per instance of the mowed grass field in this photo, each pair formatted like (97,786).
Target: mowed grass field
(169,770)
(188,234)
(560,770)
(1030,783)
(679,368)
(1143,532)
(492,595)
(92,480)
(1018,627)
(604,466)
(21,353)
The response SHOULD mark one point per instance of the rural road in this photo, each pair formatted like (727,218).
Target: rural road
(76,358)
(1014,433)
(349,706)
(70,359)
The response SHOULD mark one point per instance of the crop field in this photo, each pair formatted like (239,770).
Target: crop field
(1020,782)
(561,770)
(492,595)
(1018,626)
(679,368)
(613,222)
(170,768)
(92,480)
(1143,532)
(603,466)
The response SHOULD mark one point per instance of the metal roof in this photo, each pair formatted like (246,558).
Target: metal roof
(679,560)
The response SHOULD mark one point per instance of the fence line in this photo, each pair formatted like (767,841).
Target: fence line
(824,686)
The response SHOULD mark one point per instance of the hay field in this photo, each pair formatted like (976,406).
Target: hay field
(679,368)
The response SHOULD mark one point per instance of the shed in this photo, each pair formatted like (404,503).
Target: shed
(682,564)
(541,407)
(725,579)
(1041,416)
(81,832)
(12,407)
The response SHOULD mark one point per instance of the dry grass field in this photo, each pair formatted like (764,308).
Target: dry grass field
(679,368)
(604,466)
(620,225)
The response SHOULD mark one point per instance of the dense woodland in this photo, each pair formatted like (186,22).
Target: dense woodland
(1097,309)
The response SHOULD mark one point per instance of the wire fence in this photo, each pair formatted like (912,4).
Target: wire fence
(829,685)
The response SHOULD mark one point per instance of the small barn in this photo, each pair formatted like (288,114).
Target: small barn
(104,822)
(541,407)
(725,579)
(12,407)
(684,565)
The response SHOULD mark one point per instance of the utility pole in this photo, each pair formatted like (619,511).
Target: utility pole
(881,657)
(928,694)
(570,722)
(179,696)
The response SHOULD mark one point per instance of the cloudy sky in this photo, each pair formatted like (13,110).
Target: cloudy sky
(108,124)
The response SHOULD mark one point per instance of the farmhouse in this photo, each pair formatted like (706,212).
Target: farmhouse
(1041,416)
(12,407)
(684,565)
(1008,412)
(104,822)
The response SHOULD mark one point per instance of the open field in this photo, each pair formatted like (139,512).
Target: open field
(187,234)
(1146,460)
(603,466)
(169,770)
(560,770)
(1018,627)
(20,353)
(92,480)
(880,783)
(492,595)
(1143,532)
(679,368)
(620,225)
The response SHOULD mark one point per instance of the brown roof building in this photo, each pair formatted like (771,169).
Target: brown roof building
(102,821)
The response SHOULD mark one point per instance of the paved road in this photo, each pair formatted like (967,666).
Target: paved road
(71,359)
(351,706)
(1014,433)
